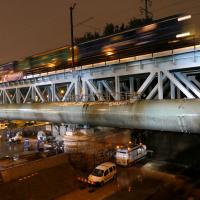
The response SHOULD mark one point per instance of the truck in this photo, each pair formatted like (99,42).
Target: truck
(126,156)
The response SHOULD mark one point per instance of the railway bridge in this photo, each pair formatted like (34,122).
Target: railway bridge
(122,93)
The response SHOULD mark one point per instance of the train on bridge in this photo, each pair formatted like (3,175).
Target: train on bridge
(164,34)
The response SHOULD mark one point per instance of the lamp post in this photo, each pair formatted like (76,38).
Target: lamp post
(72,32)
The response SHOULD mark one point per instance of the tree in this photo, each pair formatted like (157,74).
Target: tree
(96,35)
(109,29)
(136,22)
(122,27)
(117,29)
(87,36)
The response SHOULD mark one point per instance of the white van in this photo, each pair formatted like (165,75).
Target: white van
(103,173)
(126,156)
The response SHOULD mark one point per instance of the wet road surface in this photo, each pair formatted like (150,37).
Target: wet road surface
(145,182)
(9,149)
(150,180)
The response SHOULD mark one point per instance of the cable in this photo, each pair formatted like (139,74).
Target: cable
(84,21)
(92,27)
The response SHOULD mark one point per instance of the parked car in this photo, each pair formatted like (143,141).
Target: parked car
(103,173)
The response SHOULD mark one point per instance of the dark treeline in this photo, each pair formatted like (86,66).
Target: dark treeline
(110,29)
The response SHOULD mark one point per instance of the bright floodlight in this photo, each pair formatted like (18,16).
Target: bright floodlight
(183,35)
(184,18)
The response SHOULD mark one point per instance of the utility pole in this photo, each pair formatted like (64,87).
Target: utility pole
(145,10)
(72,32)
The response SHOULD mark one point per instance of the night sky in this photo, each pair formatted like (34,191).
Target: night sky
(28,27)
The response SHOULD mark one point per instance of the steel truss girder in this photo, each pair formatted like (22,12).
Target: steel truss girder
(89,89)
(109,88)
(7,95)
(182,61)
(39,93)
(54,96)
(69,91)
(94,89)
(85,85)
(178,84)
(194,80)
(146,83)
(188,83)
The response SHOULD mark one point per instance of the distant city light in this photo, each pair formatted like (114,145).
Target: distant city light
(36,98)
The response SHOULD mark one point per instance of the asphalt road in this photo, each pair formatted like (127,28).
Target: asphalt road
(9,149)
(143,182)
(150,180)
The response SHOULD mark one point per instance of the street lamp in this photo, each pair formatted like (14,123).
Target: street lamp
(72,32)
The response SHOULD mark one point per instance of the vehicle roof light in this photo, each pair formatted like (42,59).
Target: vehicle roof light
(183,35)
(184,18)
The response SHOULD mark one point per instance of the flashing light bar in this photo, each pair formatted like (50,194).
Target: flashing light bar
(183,35)
(184,18)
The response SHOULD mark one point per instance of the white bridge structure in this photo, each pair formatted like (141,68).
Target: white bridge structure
(171,74)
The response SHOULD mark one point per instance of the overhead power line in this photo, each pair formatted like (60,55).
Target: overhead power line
(84,21)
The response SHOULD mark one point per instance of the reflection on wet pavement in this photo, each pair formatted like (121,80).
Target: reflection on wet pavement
(9,149)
